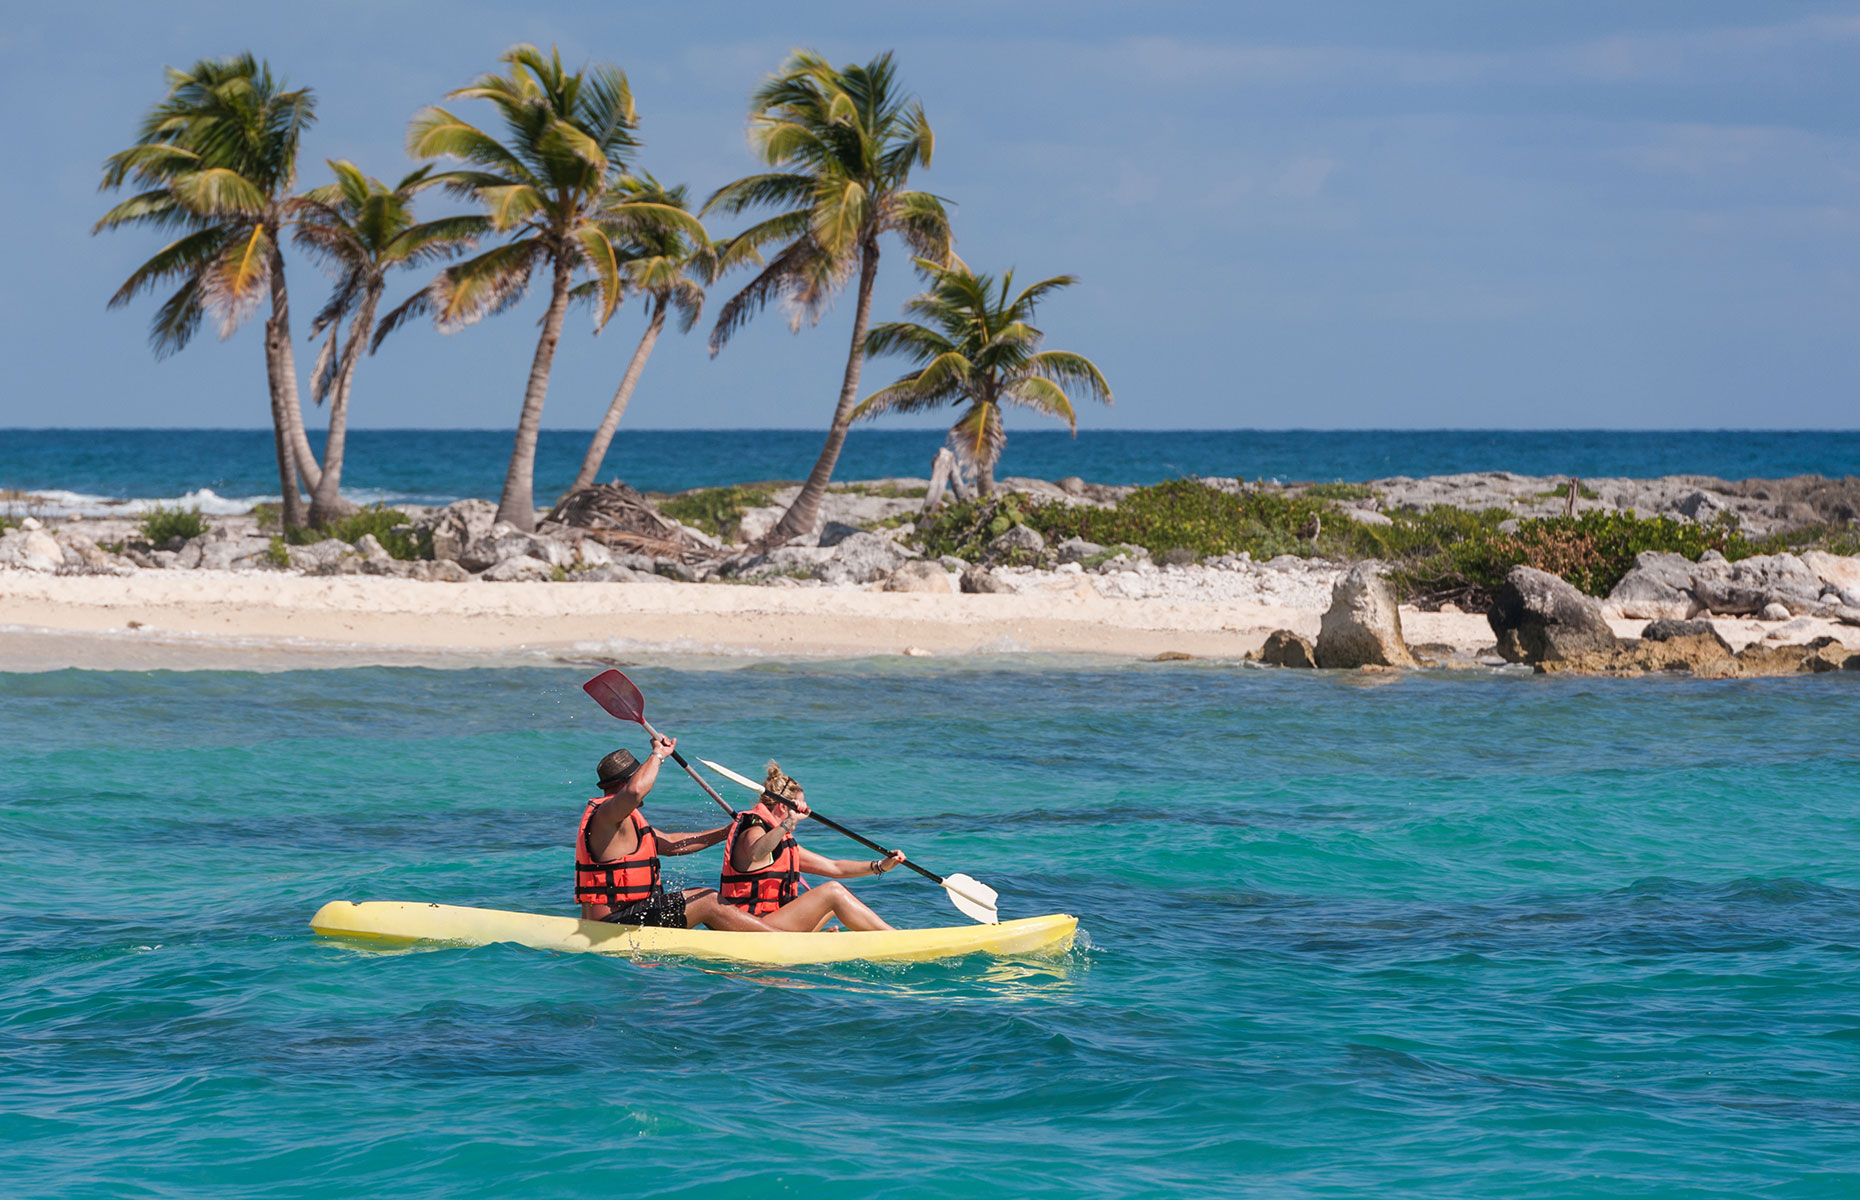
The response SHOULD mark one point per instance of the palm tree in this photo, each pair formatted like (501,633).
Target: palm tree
(360,229)
(843,142)
(216,160)
(546,185)
(980,347)
(666,263)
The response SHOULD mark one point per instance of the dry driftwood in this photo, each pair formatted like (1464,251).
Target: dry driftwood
(618,516)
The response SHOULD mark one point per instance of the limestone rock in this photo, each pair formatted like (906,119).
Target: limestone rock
(979,580)
(1284,648)
(1181,556)
(1018,540)
(673,569)
(592,553)
(1659,587)
(1537,617)
(505,541)
(1838,574)
(320,558)
(222,549)
(1075,549)
(1667,631)
(1363,625)
(832,533)
(31,550)
(1750,584)
(458,525)
(953,564)
(616,573)
(919,576)
(445,571)
(519,569)
(1774,612)
(860,557)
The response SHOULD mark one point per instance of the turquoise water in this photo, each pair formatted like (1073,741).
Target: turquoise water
(1418,936)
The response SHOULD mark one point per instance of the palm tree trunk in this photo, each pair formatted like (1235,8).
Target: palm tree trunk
(291,512)
(517,505)
(288,401)
(604,436)
(804,513)
(326,502)
(984,477)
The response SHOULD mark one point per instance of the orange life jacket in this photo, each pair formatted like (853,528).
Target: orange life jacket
(621,881)
(765,890)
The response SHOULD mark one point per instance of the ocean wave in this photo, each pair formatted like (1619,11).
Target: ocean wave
(56,502)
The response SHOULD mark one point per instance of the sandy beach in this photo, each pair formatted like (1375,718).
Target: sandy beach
(223,619)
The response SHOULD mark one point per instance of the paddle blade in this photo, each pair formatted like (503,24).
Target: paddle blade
(616,693)
(973,899)
(732,776)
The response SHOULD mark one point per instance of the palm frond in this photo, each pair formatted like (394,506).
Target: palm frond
(421,304)
(1042,395)
(597,254)
(1073,372)
(915,341)
(233,282)
(479,287)
(977,437)
(183,257)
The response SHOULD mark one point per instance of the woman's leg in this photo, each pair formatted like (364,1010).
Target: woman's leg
(702,907)
(815,905)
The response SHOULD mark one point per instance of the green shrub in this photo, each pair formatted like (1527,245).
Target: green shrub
(7,522)
(1835,539)
(279,554)
(391,527)
(1340,491)
(159,524)
(1180,514)
(268,516)
(718,511)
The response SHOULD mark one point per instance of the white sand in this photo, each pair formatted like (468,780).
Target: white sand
(199,619)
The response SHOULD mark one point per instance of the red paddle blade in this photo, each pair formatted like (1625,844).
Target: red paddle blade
(616,693)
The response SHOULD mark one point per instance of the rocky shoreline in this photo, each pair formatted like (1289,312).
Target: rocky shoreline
(1792,600)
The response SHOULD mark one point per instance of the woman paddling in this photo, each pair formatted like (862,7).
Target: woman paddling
(763,865)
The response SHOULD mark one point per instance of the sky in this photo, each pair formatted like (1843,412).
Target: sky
(1299,214)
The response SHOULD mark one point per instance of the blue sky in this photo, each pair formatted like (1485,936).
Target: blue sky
(1283,214)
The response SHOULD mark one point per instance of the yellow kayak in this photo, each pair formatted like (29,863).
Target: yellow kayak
(404,922)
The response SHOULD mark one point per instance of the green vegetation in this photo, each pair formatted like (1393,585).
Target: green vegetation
(717,511)
(7,522)
(1558,493)
(391,527)
(1443,553)
(269,516)
(159,524)
(1340,491)
(886,490)
(279,553)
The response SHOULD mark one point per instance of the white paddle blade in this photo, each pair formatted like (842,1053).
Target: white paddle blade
(732,776)
(973,899)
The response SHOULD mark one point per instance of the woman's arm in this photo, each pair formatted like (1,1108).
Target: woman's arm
(847,868)
(748,851)
(689,843)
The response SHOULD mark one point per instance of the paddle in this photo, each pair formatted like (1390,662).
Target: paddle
(971,897)
(616,693)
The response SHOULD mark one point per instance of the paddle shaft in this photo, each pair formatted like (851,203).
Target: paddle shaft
(836,827)
(696,778)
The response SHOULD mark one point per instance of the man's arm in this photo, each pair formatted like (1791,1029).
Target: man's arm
(635,789)
(847,868)
(690,843)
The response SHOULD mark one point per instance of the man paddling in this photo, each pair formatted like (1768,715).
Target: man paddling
(617,855)
(763,865)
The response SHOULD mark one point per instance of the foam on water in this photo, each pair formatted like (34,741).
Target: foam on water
(1443,936)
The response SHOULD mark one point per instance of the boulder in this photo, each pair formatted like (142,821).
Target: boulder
(1181,556)
(221,549)
(1668,631)
(673,569)
(520,569)
(442,570)
(979,581)
(1018,540)
(320,558)
(1658,587)
(31,549)
(834,532)
(592,553)
(85,557)
(1076,549)
(1284,648)
(919,576)
(456,526)
(1752,583)
(505,541)
(1538,617)
(860,557)
(1774,612)
(1702,507)
(1363,625)
(1838,574)
(952,564)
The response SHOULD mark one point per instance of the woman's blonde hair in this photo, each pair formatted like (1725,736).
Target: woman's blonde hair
(777,784)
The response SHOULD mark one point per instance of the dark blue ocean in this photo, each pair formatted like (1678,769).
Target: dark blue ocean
(444,465)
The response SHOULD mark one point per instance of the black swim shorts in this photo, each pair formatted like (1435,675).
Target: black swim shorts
(665,910)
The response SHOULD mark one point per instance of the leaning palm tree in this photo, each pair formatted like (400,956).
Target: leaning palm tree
(567,134)
(360,229)
(843,142)
(669,265)
(979,347)
(215,161)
